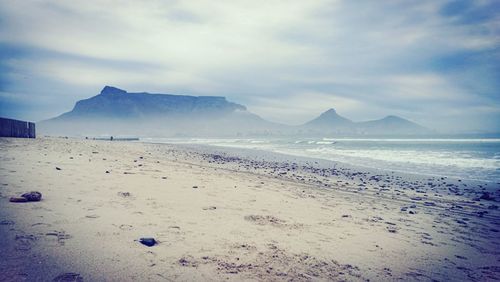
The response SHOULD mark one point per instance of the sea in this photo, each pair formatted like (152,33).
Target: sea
(470,159)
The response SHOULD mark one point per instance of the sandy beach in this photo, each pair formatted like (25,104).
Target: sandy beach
(223,215)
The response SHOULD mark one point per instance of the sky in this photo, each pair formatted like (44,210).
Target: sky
(434,62)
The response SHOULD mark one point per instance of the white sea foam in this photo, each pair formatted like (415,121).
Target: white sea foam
(477,159)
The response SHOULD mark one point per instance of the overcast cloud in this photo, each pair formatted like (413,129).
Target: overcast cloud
(434,62)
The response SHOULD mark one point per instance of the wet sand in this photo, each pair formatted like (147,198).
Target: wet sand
(222,214)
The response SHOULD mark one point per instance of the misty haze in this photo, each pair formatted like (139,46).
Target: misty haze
(116,112)
(326,140)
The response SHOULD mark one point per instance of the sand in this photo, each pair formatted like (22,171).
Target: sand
(223,216)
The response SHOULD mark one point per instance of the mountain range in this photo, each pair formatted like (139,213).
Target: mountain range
(117,112)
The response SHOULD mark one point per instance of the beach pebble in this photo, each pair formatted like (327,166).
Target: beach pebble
(32,196)
(391,229)
(148,241)
(481,213)
(124,194)
(486,196)
(18,200)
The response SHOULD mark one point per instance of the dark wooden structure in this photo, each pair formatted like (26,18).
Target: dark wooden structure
(17,128)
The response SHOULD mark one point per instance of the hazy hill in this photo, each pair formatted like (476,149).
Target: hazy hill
(330,122)
(391,125)
(116,112)
(117,103)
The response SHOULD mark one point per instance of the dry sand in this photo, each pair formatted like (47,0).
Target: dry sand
(220,218)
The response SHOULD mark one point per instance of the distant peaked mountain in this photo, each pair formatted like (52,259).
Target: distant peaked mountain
(330,119)
(330,122)
(391,125)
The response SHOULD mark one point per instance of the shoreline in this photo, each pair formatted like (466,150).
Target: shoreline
(252,152)
(474,188)
(249,217)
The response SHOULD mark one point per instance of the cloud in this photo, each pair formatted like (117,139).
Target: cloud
(420,59)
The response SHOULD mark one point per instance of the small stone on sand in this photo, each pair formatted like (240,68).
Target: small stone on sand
(32,196)
(148,241)
(18,200)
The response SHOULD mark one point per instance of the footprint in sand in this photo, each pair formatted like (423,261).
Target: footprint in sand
(68,277)
(126,227)
(40,224)
(57,237)
(7,222)
(24,242)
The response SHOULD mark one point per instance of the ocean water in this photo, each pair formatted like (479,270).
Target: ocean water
(472,159)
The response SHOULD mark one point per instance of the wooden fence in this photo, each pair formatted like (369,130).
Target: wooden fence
(17,128)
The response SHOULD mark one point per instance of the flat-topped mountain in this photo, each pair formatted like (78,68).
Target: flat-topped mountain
(117,103)
(117,112)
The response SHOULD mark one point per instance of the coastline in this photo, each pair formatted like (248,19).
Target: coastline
(362,162)
(252,216)
(234,156)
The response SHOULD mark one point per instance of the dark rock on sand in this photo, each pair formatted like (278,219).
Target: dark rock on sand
(148,241)
(486,196)
(124,194)
(69,277)
(18,200)
(32,196)
(7,222)
(481,213)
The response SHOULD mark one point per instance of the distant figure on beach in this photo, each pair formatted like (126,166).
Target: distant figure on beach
(111,138)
